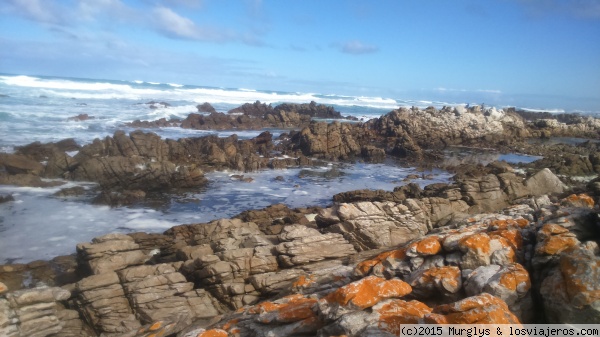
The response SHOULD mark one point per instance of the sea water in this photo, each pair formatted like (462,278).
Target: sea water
(38,225)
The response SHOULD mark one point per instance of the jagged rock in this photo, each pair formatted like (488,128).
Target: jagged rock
(300,245)
(155,291)
(19,164)
(26,180)
(544,182)
(329,141)
(370,225)
(102,301)
(312,109)
(111,252)
(205,107)
(32,312)
(253,109)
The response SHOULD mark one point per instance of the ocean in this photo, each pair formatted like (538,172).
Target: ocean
(38,225)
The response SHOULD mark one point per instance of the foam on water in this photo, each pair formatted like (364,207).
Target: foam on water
(41,226)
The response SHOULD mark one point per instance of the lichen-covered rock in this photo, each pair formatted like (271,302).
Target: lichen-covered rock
(394,313)
(480,309)
(443,281)
(571,292)
(578,200)
(428,246)
(365,293)
(553,239)
(511,283)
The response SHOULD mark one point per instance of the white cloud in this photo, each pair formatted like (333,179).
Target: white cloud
(174,25)
(41,11)
(91,9)
(356,47)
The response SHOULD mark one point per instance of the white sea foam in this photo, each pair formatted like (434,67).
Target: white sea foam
(554,111)
(37,216)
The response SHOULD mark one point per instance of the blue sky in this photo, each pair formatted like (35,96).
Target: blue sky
(536,53)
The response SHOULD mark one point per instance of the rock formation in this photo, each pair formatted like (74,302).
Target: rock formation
(359,268)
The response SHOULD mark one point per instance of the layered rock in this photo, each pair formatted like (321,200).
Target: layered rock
(38,312)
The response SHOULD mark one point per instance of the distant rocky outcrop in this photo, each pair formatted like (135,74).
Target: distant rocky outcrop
(256,109)
(311,109)
(545,124)
(81,117)
(205,107)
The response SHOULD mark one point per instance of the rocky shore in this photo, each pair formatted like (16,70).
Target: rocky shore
(495,245)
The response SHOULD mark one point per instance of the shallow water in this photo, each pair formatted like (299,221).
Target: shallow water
(561,140)
(462,155)
(38,225)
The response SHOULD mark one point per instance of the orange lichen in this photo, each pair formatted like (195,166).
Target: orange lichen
(513,236)
(369,291)
(508,223)
(556,244)
(155,326)
(428,246)
(480,309)
(448,277)
(296,310)
(213,333)
(581,199)
(291,308)
(552,229)
(230,324)
(580,273)
(303,281)
(366,266)
(516,278)
(479,242)
(395,313)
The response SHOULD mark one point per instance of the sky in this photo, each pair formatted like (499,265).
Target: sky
(535,53)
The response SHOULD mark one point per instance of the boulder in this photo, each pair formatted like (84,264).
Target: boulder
(110,252)
(570,292)
(300,245)
(544,182)
(32,312)
(205,107)
(20,164)
(371,225)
